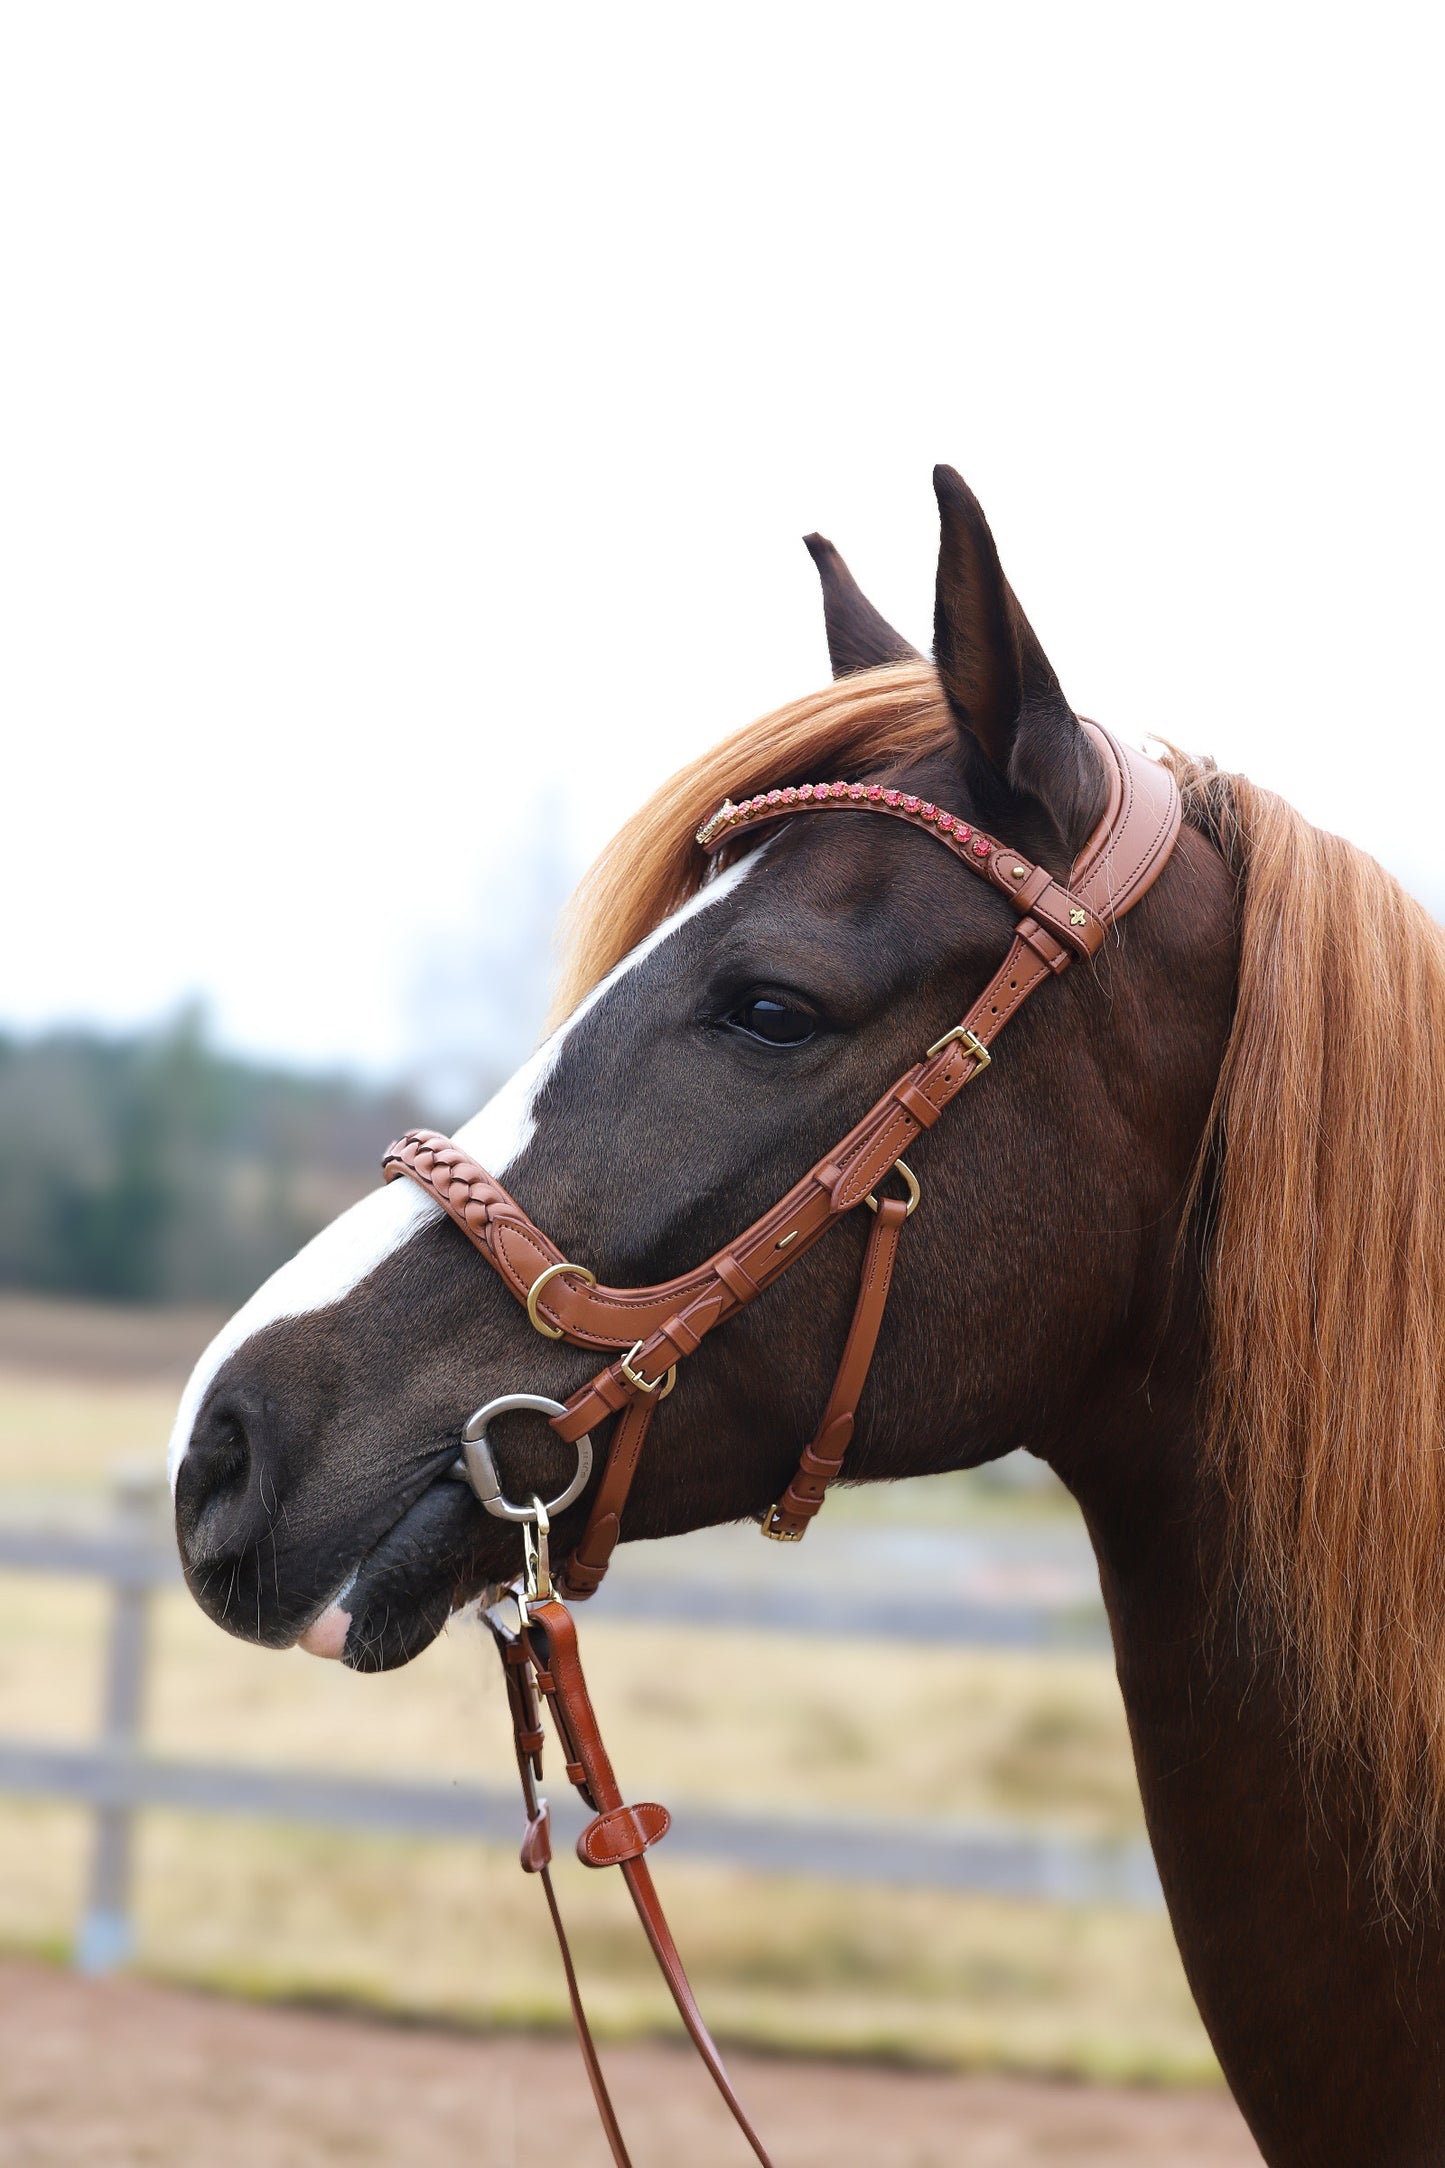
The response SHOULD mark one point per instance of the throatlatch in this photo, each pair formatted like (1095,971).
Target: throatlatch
(659,1327)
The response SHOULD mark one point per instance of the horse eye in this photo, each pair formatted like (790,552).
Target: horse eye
(773,1022)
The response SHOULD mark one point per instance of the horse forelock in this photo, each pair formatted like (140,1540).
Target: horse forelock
(653,864)
(1325,1281)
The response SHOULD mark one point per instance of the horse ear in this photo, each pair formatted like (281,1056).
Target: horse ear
(1000,683)
(858,638)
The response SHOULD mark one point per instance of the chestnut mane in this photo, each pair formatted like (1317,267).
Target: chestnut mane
(1326,1293)
(860,724)
(1321,1175)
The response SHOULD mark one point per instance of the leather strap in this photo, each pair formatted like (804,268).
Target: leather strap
(582,1575)
(617,1835)
(822,1461)
(527,1741)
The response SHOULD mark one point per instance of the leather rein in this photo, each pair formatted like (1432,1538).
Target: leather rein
(654,1329)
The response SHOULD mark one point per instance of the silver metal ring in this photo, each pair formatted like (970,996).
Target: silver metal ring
(478,1468)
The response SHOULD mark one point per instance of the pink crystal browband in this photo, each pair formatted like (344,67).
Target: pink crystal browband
(1040,900)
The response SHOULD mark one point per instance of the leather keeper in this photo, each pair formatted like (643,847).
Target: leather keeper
(622,1833)
(1055,908)
(588,1564)
(917,1104)
(537,1842)
(680,1336)
(1050,951)
(739,1282)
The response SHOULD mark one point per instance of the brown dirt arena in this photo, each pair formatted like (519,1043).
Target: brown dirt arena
(124,2074)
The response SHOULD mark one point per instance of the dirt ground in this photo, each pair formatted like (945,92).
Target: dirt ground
(123,2074)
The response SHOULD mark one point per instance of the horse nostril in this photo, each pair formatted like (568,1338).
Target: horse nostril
(214,1478)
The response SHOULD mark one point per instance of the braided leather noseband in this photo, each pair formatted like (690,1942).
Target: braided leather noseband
(657,1327)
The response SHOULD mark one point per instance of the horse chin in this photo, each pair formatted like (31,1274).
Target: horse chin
(401,1594)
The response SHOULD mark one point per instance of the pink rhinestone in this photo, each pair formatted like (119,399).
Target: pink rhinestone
(855,792)
(893,797)
(840,790)
(805,790)
(911,805)
(929,810)
(790,796)
(759,802)
(775,797)
(873,793)
(945,822)
(962,830)
(981,846)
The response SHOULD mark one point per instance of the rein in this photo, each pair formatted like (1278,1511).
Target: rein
(659,1327)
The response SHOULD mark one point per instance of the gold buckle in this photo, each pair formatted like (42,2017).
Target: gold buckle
(646,1385)
(779,1535)
(914,1187)
(553,1332)
(967,1039)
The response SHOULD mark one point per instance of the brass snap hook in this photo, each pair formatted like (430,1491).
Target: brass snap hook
(537,1581)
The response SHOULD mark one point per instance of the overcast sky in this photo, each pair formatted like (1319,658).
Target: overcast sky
(408,418)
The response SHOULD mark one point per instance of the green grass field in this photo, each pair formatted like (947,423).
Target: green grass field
(455,1930)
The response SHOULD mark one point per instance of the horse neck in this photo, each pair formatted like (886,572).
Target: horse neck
(1328,2015)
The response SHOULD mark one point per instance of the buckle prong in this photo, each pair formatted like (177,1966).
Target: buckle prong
(971,1043)
(661,1386)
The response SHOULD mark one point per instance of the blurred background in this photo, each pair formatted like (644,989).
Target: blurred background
(401,414)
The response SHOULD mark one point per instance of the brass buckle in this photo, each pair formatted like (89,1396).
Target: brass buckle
(553,1332)
(662,1386)
(779,1535)
(912,1183)
(967,1039)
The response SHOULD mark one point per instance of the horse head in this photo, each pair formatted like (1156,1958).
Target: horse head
(724,1020)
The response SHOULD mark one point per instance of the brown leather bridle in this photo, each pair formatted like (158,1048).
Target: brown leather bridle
(658,1327)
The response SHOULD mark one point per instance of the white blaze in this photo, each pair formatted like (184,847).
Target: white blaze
(346,1252)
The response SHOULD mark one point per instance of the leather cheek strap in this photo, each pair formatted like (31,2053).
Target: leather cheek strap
(583,1572)
(822,1460)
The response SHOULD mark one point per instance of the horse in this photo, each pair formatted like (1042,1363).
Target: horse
(1182,1243)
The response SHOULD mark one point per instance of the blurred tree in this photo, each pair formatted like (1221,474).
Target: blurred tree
(150,1167)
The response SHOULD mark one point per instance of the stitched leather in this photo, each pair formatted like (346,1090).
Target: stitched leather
(622,1833)
(822,1461)
(549,1644)
(582,1574)
(1029,888)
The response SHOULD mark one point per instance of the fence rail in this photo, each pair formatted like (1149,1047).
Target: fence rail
(116,1779)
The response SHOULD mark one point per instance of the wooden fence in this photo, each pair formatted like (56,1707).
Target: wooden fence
(117,1779)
